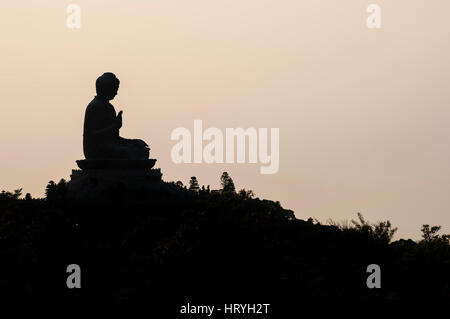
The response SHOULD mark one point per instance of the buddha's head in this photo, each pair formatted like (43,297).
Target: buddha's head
(107,86)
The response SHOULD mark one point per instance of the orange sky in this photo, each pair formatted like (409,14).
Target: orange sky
(363,114)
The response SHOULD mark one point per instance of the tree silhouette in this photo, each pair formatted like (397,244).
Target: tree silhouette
(246,194)
(193,184)
(227,183)
(431,235)
(50,190)
(179,184)
(11,196)
(56,192)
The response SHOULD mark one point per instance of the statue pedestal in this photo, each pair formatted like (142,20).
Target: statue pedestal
(102,174)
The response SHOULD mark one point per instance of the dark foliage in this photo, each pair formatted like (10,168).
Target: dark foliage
(227,183)
(193,184)
(173,245)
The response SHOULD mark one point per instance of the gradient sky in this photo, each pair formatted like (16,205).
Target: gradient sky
(363,114)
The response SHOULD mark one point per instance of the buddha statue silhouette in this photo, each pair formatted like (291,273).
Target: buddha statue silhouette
(101,139)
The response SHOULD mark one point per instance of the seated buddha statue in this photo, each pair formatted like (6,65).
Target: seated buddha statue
(101,139)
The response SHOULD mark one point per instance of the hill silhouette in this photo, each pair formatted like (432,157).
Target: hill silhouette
(174,245)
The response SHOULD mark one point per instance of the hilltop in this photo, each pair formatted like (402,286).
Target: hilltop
(176,244)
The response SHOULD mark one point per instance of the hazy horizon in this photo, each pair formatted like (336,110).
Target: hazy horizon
(363,114)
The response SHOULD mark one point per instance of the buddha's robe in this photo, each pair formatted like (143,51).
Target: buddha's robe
(101,138)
